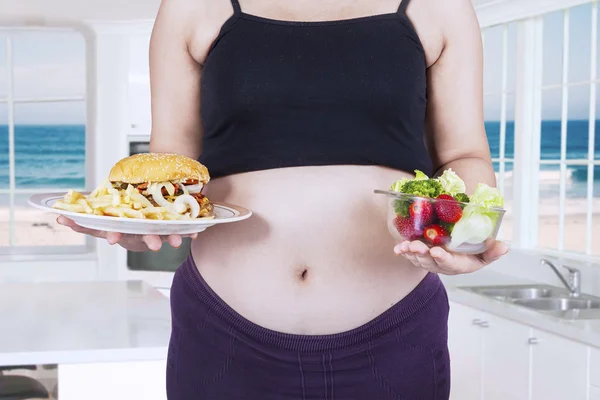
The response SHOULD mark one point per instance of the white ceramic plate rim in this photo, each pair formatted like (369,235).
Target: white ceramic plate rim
(44,201)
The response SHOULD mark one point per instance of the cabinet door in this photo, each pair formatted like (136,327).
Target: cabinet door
(594,393)
(559,368)
(465,342)
(506,360)
(115,381)
(595,367)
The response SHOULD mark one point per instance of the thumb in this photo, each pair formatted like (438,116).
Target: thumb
(494,252)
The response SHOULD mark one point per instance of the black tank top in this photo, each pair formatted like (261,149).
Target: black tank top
(282,94)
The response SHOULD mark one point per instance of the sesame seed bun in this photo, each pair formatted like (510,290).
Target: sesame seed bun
(158,167)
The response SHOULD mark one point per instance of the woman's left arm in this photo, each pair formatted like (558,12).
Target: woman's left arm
(455,131)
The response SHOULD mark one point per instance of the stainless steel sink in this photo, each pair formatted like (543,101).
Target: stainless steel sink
(559,304)
(564,302)
(545,299)
(519,292)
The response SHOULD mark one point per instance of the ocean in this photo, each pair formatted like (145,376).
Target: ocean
(52,156)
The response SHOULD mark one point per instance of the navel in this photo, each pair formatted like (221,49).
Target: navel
(302,274)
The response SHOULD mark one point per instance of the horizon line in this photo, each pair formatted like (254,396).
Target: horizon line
(84,124)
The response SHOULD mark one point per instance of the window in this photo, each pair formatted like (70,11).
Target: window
(139,84)
(499,100)
(569,165)
(567,171)
(42,134)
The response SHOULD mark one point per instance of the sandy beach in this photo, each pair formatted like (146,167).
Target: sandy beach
(36,228)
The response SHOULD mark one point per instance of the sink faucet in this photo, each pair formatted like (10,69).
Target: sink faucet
(573,283)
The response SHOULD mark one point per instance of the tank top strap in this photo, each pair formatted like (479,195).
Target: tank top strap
(401,8)
(236,6)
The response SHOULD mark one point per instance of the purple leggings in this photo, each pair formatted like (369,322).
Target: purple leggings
(216,354)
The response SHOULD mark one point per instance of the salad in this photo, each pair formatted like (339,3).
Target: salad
(439,212)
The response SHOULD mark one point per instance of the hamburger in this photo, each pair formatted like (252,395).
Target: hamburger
(172,181)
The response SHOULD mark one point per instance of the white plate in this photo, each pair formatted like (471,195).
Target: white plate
(224,213)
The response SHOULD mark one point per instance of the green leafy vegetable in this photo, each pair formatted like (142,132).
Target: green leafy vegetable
(473,227)
(487,196)
(451,183)
(398,184)
(479,219)
(420,176)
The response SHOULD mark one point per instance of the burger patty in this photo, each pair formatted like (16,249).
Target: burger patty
(202,200)
(143,186)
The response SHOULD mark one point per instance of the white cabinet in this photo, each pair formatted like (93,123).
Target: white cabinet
(496,359)
(465,342)
(115,381)
(594,393)
(506,360)
(559,369)
(595,367)
(489,356)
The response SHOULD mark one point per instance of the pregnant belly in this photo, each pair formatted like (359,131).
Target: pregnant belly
(316,256)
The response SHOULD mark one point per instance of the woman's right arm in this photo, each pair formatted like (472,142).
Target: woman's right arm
(175,98)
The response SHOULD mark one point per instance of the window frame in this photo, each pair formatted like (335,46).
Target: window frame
(528,108)
(503,93)
(528,89)
(14,252)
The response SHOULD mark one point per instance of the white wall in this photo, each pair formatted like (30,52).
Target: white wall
(36,12)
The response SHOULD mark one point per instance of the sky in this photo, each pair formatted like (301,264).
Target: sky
(54,65)
(579,65)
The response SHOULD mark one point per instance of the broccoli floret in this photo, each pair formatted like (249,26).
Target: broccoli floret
(462,197)
(402,207)
(425,188)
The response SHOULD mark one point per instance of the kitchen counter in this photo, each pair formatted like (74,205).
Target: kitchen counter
(81,322)
(583,331)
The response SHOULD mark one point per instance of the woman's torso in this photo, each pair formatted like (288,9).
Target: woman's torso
(316,257)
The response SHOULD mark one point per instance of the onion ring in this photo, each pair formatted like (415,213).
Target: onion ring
(184,201)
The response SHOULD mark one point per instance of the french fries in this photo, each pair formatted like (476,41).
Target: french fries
(129,203)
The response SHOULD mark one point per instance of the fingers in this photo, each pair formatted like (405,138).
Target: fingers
(438,260)
(418,254)
(113,237)
(62,220)
(153,242)
(494,252)
(174,240)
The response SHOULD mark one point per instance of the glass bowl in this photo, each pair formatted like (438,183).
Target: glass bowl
(458,227)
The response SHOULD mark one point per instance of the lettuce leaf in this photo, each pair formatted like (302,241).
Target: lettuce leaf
(451,182)
(487,196)
(420,176)
(475,226)
(397,186)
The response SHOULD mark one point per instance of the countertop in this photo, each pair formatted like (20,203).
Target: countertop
(583,331)
(52,323)
(79,322)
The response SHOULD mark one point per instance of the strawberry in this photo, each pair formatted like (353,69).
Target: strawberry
(407,228)
(436,235)
(448,209)
(421,211)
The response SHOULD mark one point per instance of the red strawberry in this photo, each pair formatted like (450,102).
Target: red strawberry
(447,210)
(407,228)
(436,235)
(421,211)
